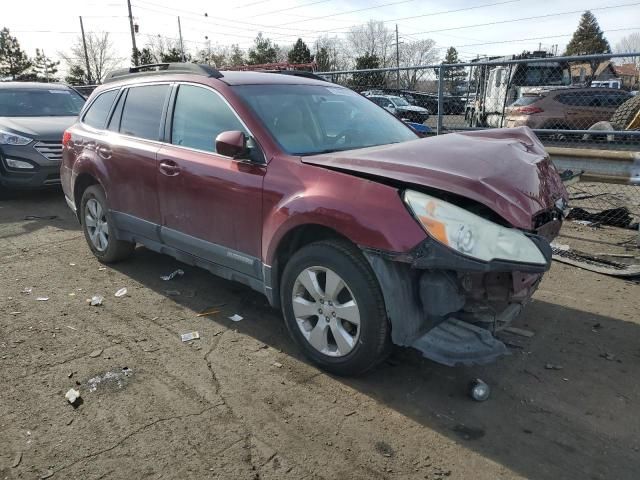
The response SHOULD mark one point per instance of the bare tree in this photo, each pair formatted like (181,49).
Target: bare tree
(419,52)
(330,54)
(370,39)
(629,44)
(101,53)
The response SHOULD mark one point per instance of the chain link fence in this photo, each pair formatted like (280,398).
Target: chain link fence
(584,109)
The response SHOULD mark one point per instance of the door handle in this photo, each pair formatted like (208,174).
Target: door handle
(169,168)
(104,152)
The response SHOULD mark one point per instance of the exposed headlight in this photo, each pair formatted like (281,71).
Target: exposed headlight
(8,138)
(13,163)
(470,234)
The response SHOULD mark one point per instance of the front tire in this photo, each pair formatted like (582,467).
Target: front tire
(99,228)
(334,309)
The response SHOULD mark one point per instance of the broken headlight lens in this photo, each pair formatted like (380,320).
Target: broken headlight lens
(8,138)
(470,234)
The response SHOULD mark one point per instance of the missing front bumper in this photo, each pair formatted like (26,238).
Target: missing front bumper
(449,306)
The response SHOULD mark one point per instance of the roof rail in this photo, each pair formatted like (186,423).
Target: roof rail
(161,68)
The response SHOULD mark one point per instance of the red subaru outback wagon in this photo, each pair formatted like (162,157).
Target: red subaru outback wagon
(362,233)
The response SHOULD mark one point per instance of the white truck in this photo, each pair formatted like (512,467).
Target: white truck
(495,87)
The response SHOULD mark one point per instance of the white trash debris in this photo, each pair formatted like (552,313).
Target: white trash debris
(72,396)
(122,292)
(186,337)
(172,275)
(96,300)
(27,290)
(235,318)
(115,378)
(42,299)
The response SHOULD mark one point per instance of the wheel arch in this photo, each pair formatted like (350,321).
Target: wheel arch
(292,241)
(82,182)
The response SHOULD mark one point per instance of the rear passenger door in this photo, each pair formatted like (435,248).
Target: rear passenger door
(136,127)
(211,204)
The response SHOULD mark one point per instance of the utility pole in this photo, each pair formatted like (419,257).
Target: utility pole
(46,67)
(133,35)
(397,58)
(181,45)
(86,55)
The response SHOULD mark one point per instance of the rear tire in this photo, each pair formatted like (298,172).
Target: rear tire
(99,228)
(625,113)
(341,327)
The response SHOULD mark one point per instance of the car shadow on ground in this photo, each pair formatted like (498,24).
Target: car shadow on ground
(563,405)
(41,209)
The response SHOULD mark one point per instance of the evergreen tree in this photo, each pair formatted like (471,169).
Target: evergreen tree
(453,76)
(368,80)
(264,51)
(45,68)
(13,61)
(174,55)
(588,39)
(237,56)
(146,56)
(323,60)
(300,53)
(76,76)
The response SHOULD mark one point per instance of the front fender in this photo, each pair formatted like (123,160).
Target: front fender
(368,213)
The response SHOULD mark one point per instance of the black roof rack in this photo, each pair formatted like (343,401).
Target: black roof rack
(161,68)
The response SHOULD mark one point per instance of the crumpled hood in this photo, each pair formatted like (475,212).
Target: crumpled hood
(38,128)
(507,170)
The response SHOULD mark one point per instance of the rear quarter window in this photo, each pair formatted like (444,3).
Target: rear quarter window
(96,115)
(526,100)
(142,112)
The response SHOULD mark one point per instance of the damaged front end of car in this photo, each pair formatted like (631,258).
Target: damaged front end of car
(465,282)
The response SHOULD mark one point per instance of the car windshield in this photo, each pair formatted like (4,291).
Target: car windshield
(310,119)
(399,101)
(39,102)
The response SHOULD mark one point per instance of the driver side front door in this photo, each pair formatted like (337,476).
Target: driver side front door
(211,205)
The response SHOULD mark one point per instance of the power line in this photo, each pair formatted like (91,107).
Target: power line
(500,22)
(514,40)
(356,11)
(315,2)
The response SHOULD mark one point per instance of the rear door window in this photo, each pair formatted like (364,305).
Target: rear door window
(96,115)
(142,112)
(199,116)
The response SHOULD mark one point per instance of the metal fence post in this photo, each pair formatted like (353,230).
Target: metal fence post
(440,98)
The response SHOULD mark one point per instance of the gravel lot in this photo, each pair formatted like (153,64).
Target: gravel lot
(241,403)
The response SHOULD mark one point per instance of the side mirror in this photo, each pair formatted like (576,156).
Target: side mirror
(389,105)
(232,144)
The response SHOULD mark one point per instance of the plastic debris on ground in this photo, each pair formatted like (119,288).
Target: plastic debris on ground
(235,318)
(42,299)
(172,275)
(27,290)
(551,366)
(479,390)
(186,337)
(96,300)
(121,293)
(116,378)
(95,353)
(72,396)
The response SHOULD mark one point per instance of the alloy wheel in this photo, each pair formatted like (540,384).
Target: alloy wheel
(97,225)
(326,311)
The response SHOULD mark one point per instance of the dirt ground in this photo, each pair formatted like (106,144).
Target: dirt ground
(241,402)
